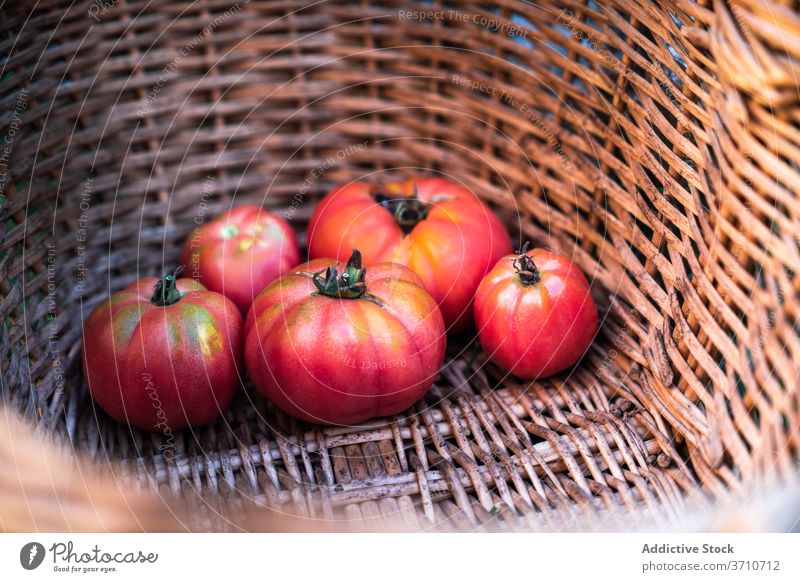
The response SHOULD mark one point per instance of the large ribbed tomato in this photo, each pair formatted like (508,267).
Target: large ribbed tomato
(440,229)
(535,314)
(163,353)
(340,350)
(241,252)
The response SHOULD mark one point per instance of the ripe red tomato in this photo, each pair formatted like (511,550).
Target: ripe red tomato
(163,353)
(439,229)
(340,350)
(535,314)
(240,253)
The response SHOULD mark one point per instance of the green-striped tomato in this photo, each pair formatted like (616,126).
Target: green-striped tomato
(241,252)
(163,353)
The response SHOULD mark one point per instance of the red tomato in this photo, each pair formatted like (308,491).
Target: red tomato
(241,252)
(340,350)
(535,314)
(439,229)
(163,353)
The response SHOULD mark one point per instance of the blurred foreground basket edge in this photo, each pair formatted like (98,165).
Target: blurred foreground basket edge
(655,142)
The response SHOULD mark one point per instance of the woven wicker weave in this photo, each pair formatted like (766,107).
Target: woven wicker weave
(655,143)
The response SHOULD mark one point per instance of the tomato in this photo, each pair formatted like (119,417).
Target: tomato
(340,350)
(439,229)
(535,314)
(241,252)
(163,353)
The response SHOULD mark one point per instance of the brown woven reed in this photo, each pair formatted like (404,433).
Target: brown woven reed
(656,143)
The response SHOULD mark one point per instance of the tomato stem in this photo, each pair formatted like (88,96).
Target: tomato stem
(526,268)
(407,211)
(351,285)
(166,291)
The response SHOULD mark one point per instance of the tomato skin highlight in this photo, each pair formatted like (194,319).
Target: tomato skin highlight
(539,329)
(333,360)
(241,252)
(159,367)
(451,248)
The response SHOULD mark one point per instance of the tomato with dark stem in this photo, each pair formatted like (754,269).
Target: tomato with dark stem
(163,353)
(342,349)
(535,313)
(439,229)
(241,252)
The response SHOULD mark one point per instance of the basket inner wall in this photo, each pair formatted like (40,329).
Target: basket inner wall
(597,146)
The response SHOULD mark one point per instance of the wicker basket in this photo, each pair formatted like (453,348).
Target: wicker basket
(655,143)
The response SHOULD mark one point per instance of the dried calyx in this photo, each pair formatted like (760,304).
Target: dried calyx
(351,284)
(166,290)
(408,211)
(525,267)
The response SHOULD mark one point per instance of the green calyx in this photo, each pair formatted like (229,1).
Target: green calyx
(351,285)
(166,290)
(229,231)
(407,211)
(526,269)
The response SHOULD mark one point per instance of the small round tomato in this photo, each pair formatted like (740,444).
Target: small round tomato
(163,353)
(535,314)
(340,350)
(439,229)
(241,252)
